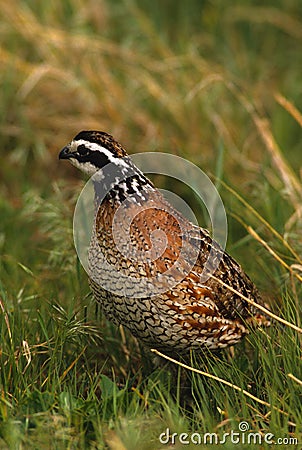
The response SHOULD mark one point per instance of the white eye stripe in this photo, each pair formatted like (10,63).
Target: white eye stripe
(94,147)
(124,163)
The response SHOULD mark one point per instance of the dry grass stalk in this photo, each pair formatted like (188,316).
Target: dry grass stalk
(220,380)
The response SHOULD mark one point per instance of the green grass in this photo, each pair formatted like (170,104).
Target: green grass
(215,82)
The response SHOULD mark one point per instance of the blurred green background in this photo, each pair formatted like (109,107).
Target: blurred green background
(216,82)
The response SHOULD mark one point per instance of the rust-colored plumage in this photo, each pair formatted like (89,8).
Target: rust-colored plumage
(145,240)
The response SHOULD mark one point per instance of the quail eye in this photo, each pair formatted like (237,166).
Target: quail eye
(82,150)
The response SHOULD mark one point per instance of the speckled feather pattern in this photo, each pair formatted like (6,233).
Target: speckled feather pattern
(190,315)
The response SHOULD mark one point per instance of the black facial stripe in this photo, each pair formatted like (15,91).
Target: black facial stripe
(98,159)
(83,150)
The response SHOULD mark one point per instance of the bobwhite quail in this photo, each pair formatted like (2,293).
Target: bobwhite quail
(146,260)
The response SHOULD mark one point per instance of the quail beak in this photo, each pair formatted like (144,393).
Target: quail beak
(65,153)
